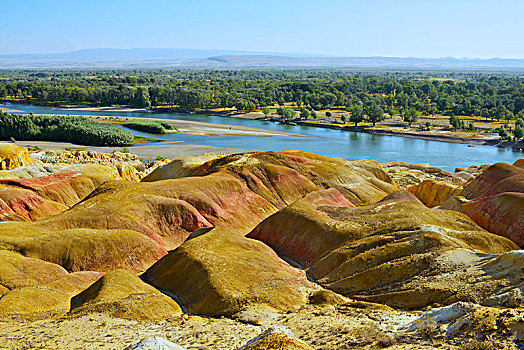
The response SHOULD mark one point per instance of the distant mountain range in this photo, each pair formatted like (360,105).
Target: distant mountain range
(223,59)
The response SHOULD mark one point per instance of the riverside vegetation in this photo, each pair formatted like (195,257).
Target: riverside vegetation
(478,104)
(79,130)
(150,126)
(305,250)
(489,95)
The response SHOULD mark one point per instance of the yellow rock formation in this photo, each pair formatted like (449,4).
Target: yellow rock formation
(12,156)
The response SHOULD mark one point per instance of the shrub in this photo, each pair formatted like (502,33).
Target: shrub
(80,130)
(518,132)
(286,113)
(481,345)
(150,126)
(427,327)
(502,132)
(165,124)
(454,122)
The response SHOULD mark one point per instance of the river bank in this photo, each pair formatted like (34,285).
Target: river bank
(395,128)
(170,150)
(190,127)
(326,140)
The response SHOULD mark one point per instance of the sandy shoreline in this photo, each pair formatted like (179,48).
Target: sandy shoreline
(183,126)
(10,110)
(382,130)
(168,150)
(101,109)
(209,129)
(215,129)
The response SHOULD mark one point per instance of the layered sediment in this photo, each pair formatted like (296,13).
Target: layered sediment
(263,239)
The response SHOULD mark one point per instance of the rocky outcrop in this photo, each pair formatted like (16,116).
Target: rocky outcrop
(495,201)
(412,174)
(125,166)
(434,192)
(277,337)
(122,294)
(154,343)
(396,252)
(128,166)
(12,156)
(224,273)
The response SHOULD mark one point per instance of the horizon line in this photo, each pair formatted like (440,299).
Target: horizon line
(260,53)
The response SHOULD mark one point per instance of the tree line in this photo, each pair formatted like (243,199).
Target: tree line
(497,96)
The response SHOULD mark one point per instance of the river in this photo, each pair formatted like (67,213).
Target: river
(328,142)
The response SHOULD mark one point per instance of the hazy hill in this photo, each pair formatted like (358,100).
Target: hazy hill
(192,58)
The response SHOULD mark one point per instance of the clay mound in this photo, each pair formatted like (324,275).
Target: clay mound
(220,273)
(397,251)
(161,215)
(496,179)
(17,271)
(45,300)
(235,192)
(12,156)
(283,177)
(495,201)
(278,337)
(40,197)
(91,249)
(434,192)
(31,300)
(180,167)
(19,204)
(122,294)
(519,163)
(168,211)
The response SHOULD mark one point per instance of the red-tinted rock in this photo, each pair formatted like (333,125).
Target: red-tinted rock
(396,251)
(519,163)
(495,201)
(40,197)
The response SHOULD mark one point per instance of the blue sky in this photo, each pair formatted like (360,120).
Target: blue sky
(420,28)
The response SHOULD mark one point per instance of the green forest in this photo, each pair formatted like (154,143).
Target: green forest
(490,95)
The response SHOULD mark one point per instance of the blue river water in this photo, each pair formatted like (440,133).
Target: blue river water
(328,142)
